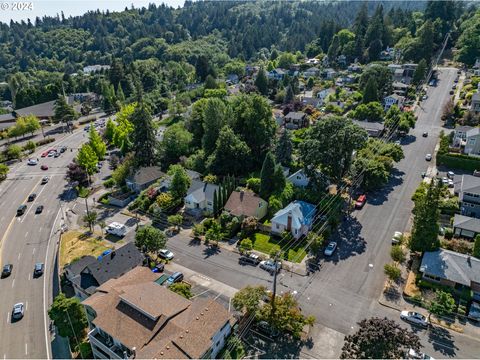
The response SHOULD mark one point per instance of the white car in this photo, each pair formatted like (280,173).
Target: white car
(450,183)
(17,312)
(166,254)
(450,174)
(414,318)
(397,237)
(428,157)
(32,162)
(51,153)
(445,181)
(331,247)
(412,354)
(425,97)
(270,266)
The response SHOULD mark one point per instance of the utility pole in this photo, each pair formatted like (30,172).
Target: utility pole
(274,292)
(88,215)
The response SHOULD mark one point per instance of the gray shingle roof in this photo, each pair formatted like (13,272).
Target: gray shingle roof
(476,96)
(202,190)
(467,183)
(147,174)
(446,264)
(466,223)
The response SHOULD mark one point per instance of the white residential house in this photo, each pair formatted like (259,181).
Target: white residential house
(475,106)
(200,196)
(299,178)
(296,218)
(322,94)
(460,136)
(393,99)
(472,143)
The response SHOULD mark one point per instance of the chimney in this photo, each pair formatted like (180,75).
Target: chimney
(242,193)
(112,254)
(289,221)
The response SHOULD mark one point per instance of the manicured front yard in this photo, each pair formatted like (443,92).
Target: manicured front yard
(265,243)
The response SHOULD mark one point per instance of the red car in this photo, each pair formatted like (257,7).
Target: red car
(44,167)
(44,154)
(362,199)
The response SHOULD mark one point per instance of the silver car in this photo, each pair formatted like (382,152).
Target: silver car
(414,318)
(332,246)
(18,310)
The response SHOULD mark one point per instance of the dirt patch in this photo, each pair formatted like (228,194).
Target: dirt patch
(76,244)
(411,288)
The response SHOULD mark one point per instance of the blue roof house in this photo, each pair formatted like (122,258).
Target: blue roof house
(296,218)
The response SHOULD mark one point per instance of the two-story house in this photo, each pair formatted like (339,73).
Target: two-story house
(276,74)
(295,120)
(134,317)
(199,197)
(311,72)
(393,99)
(460,136)
(475,106)
(467,188)
(472,142)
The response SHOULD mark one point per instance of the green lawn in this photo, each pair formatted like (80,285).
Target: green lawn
(265,244)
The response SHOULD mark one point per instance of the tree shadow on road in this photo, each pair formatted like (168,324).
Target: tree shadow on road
(377,198)
(407,140)
(280,348)
(211,250)
(349,241)
(442,341)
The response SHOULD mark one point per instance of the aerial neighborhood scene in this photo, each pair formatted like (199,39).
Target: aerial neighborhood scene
(240,179)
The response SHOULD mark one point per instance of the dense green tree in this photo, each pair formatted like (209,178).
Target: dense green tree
(231,155)
(150,238)
(261,82)
(392,271)
(68,316)
(329,145)
(215,117)
(284,149)
(121,173)
(96,143)
(254,124)
(90,218)
(468,43)
(180,181)
(109,130)
(143,136)
(382,76)
(267,176)
(3,172)
(194,122)
(87,159)
(372,111)
(379,339)
(175,143)
(289,95)
(370,93)
(425,220)
(124,128)
(248,299)
(176,220)
(76,173)
(420,72)
(476,247)
(63,111)
(210,83)
(216,206)
(443,304)
(214,234)
(182,288)
(397,254)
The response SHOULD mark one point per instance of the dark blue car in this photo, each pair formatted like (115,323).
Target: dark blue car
(175,277)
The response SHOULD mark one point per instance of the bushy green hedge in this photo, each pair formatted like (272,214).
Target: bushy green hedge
(459,161)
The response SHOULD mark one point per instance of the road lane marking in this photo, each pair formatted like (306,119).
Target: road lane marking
(19,255)
(13,283)
(26,349)
(26,305)
(26,234)
(8,317)
(33,251)
(34,201)
(29,276)
(47,333)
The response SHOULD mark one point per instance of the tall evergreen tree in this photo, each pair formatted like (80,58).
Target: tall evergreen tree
(214,119)
(63,112)
(120,94)
(144,141)
(284,149)
(220,196)
(215,203)
(420,72)
(289,95)
(370,93)
(96,143)
(267,174)
(425,220)
(261,82)
(225,195)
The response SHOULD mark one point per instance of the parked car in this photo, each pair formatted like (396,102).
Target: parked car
(397,237)
(474,312)
(265,328)
(44,154)
(450,183)
(251,259)
(38,270)
(32,196)
(51,153)
(414,318)
(166,254)
(7,270)
(445,181)
(39,209)
(175,277)
(158,268)
(428,157)
(32,162)
(424,173)
(44,167)
(63,149)
(45,180)
(331,247)
(451,92)
(450,174)
(424,97)
(270,266)
(362,199)
(56,154)
(425,134)
(17,312)
(412,354)
(21,209)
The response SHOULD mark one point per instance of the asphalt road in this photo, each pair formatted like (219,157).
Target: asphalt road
(347,288)
(29,239)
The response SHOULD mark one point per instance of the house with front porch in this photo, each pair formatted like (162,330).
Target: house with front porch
(296,218)
(199,197)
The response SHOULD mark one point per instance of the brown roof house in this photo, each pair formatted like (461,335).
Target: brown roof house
(135,317)
(246,203)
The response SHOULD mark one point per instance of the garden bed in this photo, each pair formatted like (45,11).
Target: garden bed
(266,244)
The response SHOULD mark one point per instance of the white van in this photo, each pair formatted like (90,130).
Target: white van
(116,229)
